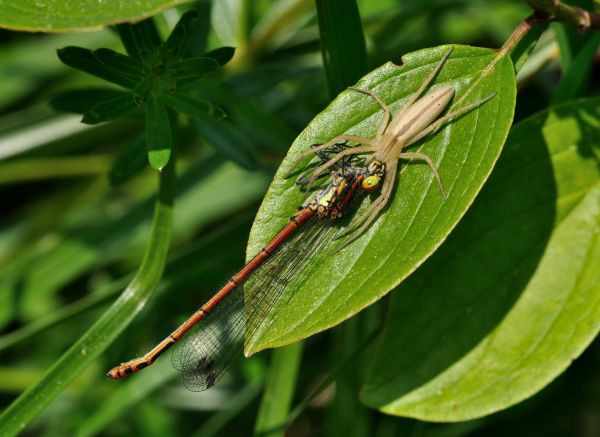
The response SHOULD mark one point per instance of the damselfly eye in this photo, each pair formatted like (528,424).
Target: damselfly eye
(375,167)
(370,183)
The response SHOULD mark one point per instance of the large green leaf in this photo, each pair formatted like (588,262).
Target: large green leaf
(417,220)
(513,296)
(60,16)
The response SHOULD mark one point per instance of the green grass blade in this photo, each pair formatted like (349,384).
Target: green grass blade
(27,406)
(215,424)
(342,43)
(61,315)
(35,169)
(126,397)
(229,140)
(279,391)
(340,366)
(575,77)
(522,51)
(130,160)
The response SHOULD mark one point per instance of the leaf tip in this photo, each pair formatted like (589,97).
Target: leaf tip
(158,159)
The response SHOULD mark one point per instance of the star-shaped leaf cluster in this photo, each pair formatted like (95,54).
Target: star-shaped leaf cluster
(156,76)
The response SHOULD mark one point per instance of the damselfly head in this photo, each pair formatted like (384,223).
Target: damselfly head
(376,167)
(373,175)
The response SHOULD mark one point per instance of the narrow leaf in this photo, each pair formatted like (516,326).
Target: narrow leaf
(526,46)
(279,391)
(513,296)
(183,33)
(126,397)
(191,69)
(158,133)
(85,60)
(43,325)
(81,100)
(139,39)
(231,142)
(574,78)
(110,109)
(193,106)
(343,45)
(416,220)
(222,55)
(126,65)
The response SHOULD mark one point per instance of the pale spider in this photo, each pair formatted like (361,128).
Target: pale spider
(415,120)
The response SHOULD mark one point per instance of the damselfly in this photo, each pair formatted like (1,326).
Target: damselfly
(246,303)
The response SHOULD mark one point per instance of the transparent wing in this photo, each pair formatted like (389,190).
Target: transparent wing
(203,354)
(267,291)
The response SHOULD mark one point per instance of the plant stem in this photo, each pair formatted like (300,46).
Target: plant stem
(517,36)
(555,10)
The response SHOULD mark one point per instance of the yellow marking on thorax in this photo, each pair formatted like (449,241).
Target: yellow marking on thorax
(326,199)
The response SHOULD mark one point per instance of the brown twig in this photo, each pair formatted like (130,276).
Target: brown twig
(555,10)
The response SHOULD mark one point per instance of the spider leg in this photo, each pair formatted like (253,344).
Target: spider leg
(323,167)
(387,114)
(425,84)
(339,139)
(427,159)
(364,220)
(324,157)
(440,121)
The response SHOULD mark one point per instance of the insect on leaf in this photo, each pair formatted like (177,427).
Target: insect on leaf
(416,221)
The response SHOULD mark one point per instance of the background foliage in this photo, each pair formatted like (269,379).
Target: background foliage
(77,224)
